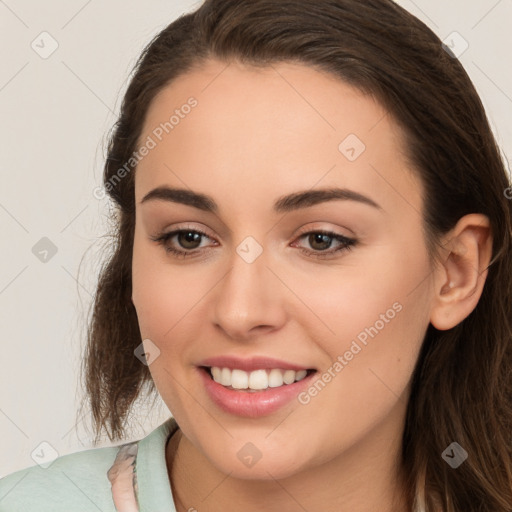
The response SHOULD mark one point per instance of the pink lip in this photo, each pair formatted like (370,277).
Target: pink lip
(250,364)
(252,404)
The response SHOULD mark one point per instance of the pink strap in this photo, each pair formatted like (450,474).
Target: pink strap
(123,478)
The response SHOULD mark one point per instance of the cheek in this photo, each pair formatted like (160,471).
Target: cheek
(167,301)
(163,294)
(376,290)
(370,321)
(378,329)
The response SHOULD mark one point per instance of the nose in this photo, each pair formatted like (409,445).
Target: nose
(249,300)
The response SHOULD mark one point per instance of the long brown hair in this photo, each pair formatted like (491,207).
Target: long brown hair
(462,383)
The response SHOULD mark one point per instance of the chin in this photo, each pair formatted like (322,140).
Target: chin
(247,462)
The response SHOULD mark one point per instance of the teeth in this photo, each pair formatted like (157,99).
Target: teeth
(289,376)
(239,379)
(225,377)
(257,379)
(275,378)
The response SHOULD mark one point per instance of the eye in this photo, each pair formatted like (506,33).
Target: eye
(189,239)
(321,240)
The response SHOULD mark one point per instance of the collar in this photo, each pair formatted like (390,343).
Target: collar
(139,477)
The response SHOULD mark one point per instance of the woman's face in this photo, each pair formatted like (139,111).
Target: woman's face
(262,291)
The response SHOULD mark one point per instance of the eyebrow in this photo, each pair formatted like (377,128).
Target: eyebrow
(287,203)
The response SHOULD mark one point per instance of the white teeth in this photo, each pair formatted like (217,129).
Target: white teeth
(216,372)
(301,374)
(289,376)
(239,379)
(225,377)
(275,378)
(257,379)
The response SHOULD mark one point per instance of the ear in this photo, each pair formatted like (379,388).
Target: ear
(459,279)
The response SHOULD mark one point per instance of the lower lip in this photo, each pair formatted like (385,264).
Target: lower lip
(252,404)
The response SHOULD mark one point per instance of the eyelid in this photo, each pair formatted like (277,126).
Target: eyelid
(303,230)
(347,243)
(316,227)
(189,226)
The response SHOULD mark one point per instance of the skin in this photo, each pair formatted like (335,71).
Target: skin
(256,135)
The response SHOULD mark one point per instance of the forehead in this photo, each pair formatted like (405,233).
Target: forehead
(255,131)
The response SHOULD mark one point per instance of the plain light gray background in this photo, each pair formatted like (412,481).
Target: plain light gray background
(56,112)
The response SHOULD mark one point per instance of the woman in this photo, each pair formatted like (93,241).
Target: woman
(312,267)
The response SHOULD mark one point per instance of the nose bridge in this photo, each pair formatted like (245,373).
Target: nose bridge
(248,296)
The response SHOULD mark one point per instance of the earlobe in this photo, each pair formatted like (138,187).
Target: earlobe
(460,278)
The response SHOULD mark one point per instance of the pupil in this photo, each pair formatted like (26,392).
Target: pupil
(189,237)
(321,238)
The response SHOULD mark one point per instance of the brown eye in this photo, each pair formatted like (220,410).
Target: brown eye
(189,239)
(182,243)
(319,241)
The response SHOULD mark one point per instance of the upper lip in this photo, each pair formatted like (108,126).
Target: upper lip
(251,363)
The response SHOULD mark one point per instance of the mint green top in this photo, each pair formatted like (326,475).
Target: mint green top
(125,478)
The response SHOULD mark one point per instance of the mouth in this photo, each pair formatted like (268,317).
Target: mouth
(255,381)
(254,394)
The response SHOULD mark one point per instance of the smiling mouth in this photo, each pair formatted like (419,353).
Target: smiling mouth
(256,380)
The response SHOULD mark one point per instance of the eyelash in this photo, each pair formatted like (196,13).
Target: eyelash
(346,243)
